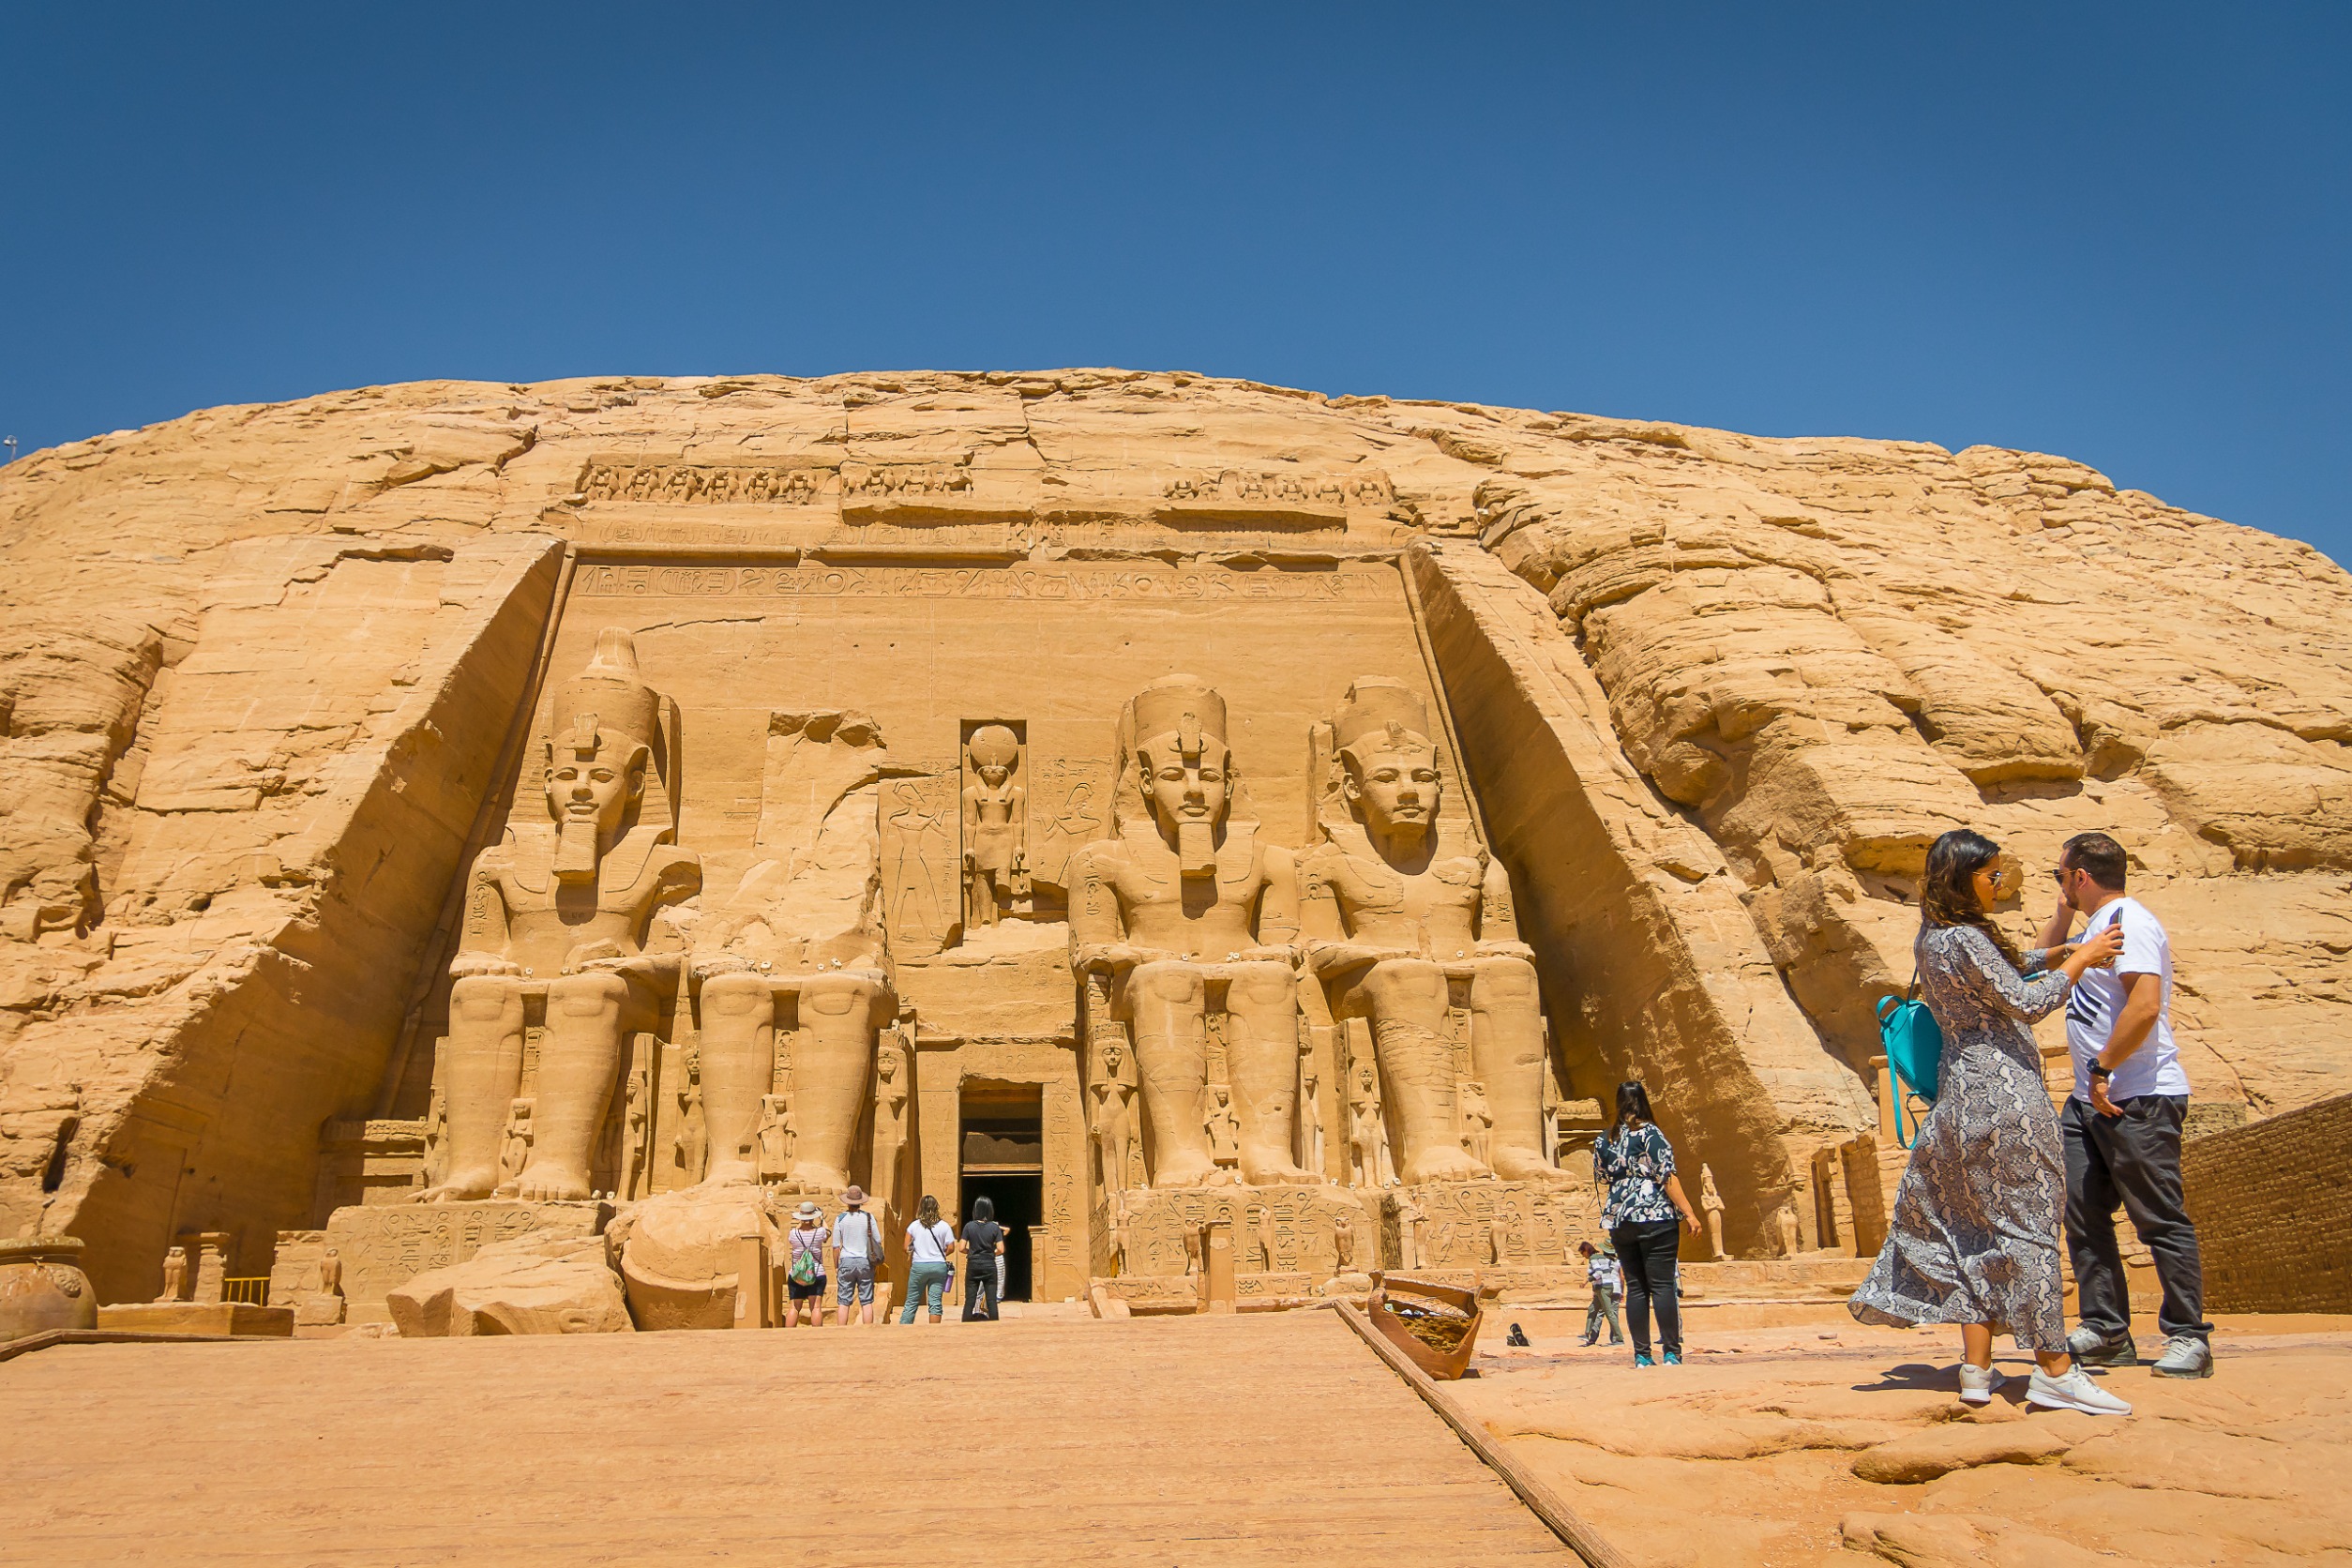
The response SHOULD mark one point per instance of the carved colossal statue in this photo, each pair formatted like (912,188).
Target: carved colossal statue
(800,937)
(1187,912)
(563,915)
(1391,919)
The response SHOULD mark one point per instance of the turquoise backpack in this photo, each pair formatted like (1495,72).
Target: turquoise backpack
(1915,1053)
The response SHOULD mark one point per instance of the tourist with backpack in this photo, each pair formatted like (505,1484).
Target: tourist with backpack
(804,1267)
(931,1242)
(857,1252)
(1974,1236)
(1641,1212)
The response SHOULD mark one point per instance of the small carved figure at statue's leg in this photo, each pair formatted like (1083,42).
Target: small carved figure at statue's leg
(1407,997)
(578,1063)
(1261,1053)
(738,1067)
(483,1073)
(1166,1000)
(1507,1052)
(832,1071)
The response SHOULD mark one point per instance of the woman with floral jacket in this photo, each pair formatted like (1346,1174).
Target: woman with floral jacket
(1645,1197)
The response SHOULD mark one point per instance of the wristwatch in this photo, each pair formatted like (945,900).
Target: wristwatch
(2100,1070)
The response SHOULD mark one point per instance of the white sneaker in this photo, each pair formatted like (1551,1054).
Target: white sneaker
(2073,1391)
(1977,1384)
(2185,1356)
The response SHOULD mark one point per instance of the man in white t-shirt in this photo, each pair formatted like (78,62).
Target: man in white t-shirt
(857,1247)
(2122,1123)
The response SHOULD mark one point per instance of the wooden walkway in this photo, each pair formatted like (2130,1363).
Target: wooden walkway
(1173,1442)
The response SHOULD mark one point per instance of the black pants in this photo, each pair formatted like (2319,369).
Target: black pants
(979,1288)
(1646,1252)
(2133,1159)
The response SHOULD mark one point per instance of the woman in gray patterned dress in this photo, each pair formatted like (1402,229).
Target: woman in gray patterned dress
(1974,1236)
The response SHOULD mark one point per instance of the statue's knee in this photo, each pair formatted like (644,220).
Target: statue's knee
(736,996)
(841,996)
(480,998)
(1263,984)
(1164,981)
(1403,982)
(581,996)
(1508,980)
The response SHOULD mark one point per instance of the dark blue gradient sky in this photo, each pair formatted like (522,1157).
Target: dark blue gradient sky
(2116,232)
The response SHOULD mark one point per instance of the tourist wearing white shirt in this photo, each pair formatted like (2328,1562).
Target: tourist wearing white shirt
(2122,1123)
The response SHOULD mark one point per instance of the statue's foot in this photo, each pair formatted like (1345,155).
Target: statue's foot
(1525,1165)
(469,1186)
(1276,1173)
(1443,1165)
(1181,1172)
(731,1173)
(549,1184)
(808,1174)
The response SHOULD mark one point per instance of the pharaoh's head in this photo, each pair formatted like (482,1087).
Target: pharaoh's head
(1180,753)
(599,743)
(1389,762)
(995,751)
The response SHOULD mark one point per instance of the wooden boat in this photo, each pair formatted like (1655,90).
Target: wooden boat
(1435,1325)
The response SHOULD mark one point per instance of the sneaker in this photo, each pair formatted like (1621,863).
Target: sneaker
(2185,1356)
(2089,1348)
(1587,1341)
(1641,1358)
(1674,1358)
(2073,1391)
(1978,1383)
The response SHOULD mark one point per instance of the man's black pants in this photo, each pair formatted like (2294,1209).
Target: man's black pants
(2132,1159)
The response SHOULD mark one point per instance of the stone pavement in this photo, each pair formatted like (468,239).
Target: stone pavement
(1177,1442)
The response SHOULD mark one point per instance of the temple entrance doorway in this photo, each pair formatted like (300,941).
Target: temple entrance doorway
(1004,1161)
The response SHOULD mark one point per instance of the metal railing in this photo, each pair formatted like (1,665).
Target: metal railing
(253,1292)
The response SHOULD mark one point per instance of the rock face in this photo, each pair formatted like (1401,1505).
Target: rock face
(533,1285)
(268,677)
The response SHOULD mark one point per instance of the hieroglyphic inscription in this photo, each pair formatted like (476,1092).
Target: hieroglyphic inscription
(884,479)
(1077,583)
(1069,804)
(1476,1225)
(1303,1216)
(1321,490)
(690,483)
(922,882)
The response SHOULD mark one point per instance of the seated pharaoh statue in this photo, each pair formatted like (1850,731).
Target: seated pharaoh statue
(1186,913)
(567,919)
(1398,914)
(799,945)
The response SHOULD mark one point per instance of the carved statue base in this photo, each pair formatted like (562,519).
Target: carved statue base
(1305,1223)
(1484,1224)
(384,1246)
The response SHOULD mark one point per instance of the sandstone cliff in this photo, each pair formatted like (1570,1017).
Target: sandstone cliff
(259,668)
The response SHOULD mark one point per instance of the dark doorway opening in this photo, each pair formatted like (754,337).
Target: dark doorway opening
(1004,1161)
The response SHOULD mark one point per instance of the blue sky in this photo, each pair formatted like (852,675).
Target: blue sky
(2116,232)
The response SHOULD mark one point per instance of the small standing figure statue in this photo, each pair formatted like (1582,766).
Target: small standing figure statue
(1342,1241)
(436,1139)
(775,1138)
(1368,1132)
(633,1135)
(1266,1236)
(1409,1218)
(1113,1123)
(996,825)
(1711,1202)
(1224,1128)
(1310,1117)
(174,1274)
(331,1273)
(518,1148)
(1478,1120)
(692,1144)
